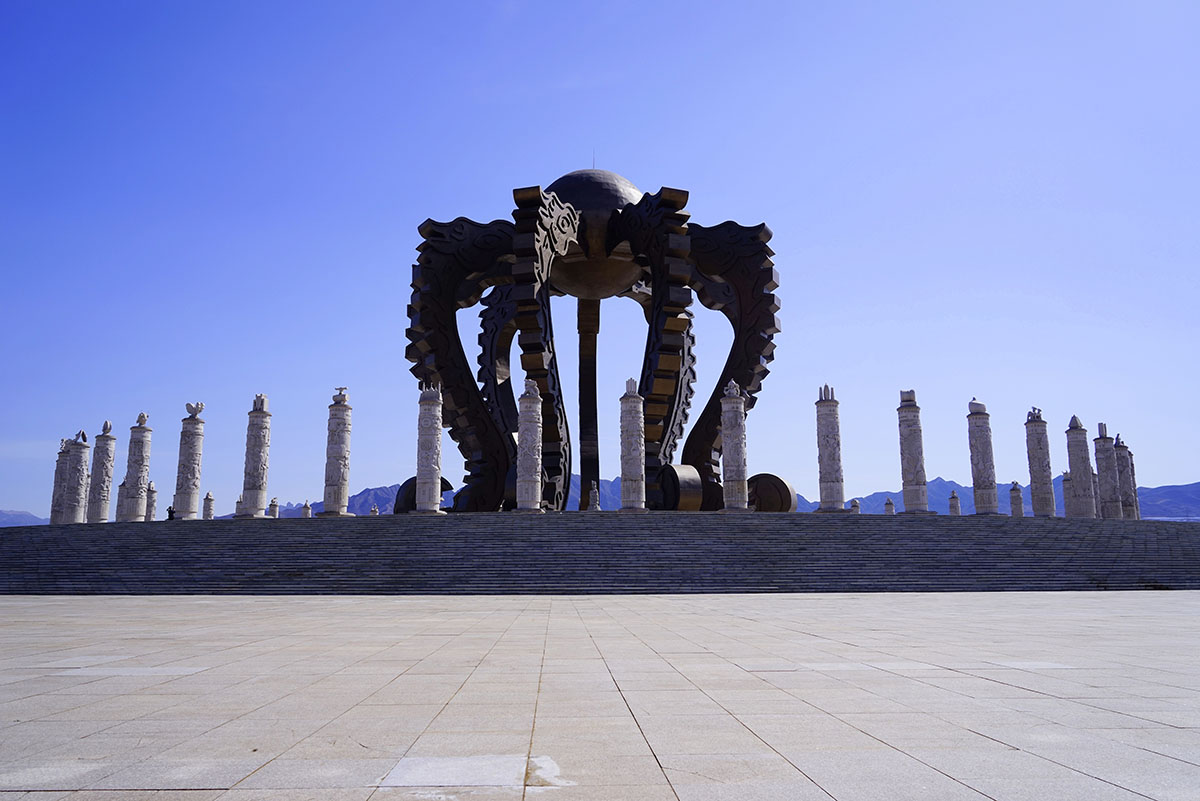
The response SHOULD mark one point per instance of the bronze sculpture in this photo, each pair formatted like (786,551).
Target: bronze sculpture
(591,235)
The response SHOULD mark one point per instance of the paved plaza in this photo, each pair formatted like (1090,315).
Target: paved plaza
(1008,696)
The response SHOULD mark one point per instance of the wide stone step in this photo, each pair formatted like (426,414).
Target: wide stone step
(600,553)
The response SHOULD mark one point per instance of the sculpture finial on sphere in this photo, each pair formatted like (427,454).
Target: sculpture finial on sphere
(194,409)
(142,418)
(107,427)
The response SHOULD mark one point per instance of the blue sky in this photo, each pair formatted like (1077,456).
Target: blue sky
(202,201)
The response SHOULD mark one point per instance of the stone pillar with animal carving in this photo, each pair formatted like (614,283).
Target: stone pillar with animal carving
(429,450)
(1041,478)
(733,449)
(253,502)
(131,494)
(1107,472)
(983,463)
(100,488)
(829,453)
(75,480)
(912,455)
(529,449)
(187,476)
(633,450)
(151,503)
(1016,501)
(209,506)
(337,456)
(1078,494)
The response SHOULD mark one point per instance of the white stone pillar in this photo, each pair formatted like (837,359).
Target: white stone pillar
(889,507)
(1109,477)
(337,456)
(733,450)
(151,503)
(829,453)
(1041,479)
(258,457)
(912,455)
(955,504)
(1125,479)
(1137,502)
(983,463)
(429,450)
(1080,502)
(131,495)
(1096,495)
(209,504)
(75,480)
(529,449)
(633,450)
(273,508)
(60,469)
(187,477)
(855,507)
(1016,501)
(100,489)
(306,510)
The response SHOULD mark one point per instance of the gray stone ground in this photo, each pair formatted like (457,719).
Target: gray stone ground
(1047,696)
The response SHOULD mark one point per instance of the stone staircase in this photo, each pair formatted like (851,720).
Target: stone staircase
(601,552)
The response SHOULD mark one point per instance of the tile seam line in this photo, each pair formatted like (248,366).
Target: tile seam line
(537,698)
(625,700)
(435,717)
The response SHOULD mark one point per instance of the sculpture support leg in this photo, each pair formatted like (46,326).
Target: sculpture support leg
(589,428)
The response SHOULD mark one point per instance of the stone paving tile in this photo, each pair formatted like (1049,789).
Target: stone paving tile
(692,698)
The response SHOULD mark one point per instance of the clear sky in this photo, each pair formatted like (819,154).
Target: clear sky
(203,201)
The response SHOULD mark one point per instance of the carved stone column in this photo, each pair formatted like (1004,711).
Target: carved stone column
(955,504)
(1137,502)
(1125,479)
(889,507)
(1016,501)
(1080,502)
(983,463)
(429,450)
(593,502)
(1096,495)
(912,455)
(187,477)
(855,507)
(60,469)
(273,508)
(131,495)
(733,450)
(100,489)
(258,456)
(75,480)
(633,450)
(306,510)
(1106,470)
(1041,479)
(529,449)
(337,456)
(151,503)
(829,453)
(209,504)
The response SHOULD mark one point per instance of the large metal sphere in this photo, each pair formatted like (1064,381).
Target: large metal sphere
(587,271)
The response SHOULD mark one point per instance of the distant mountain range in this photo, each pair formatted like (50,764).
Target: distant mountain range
(1175,501)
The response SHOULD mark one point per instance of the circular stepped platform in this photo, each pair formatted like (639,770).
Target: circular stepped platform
(600,553)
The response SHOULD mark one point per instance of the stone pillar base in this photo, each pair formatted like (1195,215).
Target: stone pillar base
(259,516)
(728,511)
(635,511)
(417,512)
(918,512)
(335,514)
(530,511)
(832,511)
(984,514)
